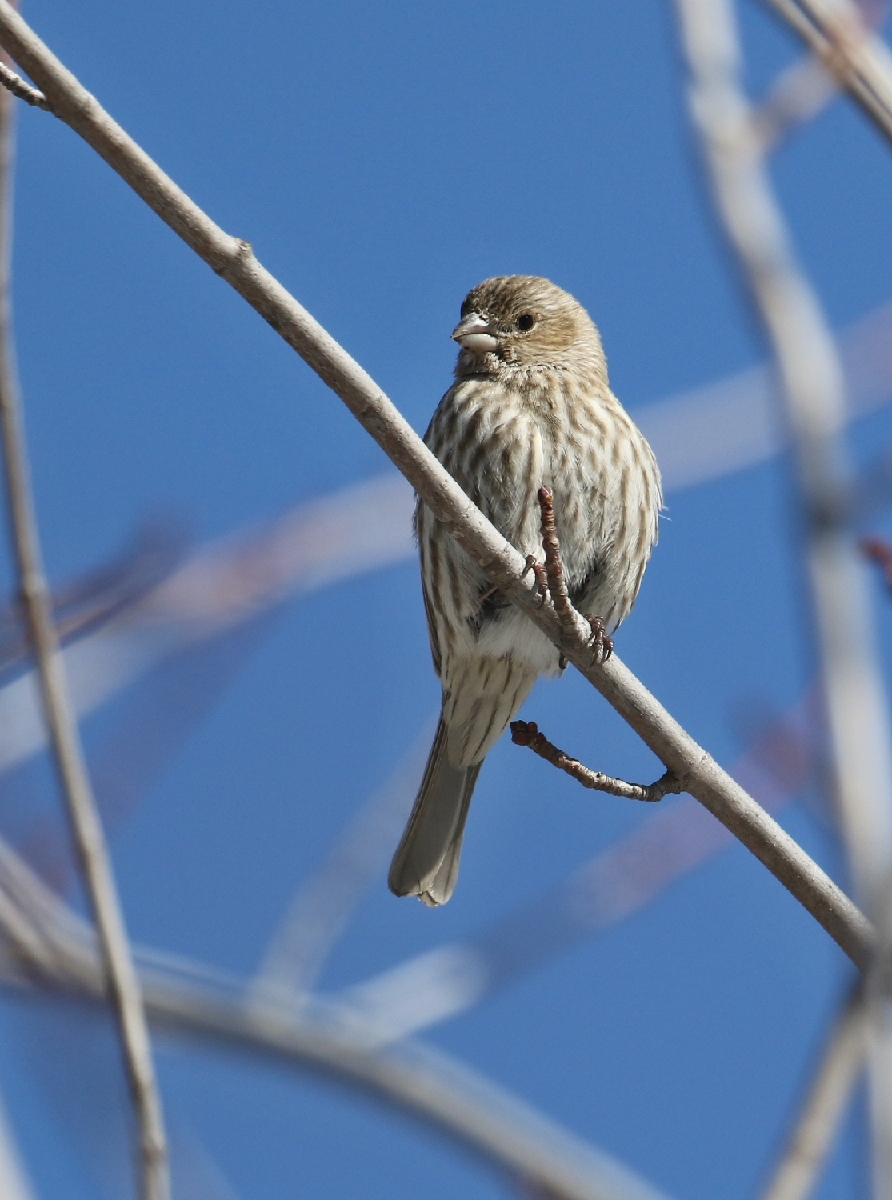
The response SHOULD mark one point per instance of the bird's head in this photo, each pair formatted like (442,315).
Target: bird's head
(524,321)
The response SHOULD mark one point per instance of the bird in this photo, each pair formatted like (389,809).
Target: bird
(530,407)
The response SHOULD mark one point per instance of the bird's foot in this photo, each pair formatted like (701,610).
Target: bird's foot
(533,564)
(601,642)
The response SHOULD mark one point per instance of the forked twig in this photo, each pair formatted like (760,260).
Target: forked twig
(526,733)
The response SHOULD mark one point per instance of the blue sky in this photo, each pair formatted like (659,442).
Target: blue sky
(382,159)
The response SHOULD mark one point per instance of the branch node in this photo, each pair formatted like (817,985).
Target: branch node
(236,254)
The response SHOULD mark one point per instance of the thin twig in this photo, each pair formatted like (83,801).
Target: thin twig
(828,1096)
(556,585)
(452,977)
(858,59)
(24,91)
(526,733)
(122,981)
(233,260)
(554,566)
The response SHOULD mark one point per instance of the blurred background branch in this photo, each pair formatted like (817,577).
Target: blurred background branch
(805,88)
(324,902)
(48,946)
(855,701)
(829,1093)
(120,977)
(836,33)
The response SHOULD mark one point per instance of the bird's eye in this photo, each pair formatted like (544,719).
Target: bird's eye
(526,322)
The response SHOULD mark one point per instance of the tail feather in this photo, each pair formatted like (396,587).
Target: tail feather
(426,860)
(483,696)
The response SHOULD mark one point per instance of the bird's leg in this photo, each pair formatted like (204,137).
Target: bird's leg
(541,578)
(602,642)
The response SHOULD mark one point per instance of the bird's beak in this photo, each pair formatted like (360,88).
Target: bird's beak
(474,333)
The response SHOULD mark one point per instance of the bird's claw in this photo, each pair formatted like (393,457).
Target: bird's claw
(533,564)
(601,642)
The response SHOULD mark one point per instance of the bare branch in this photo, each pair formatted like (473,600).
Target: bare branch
(526,733)
(233,260)
(123,985)
(853,692)
(828,1096)
(858,59)
(197,1002)
(811,375)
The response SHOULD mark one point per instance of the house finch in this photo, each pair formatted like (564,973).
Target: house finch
(530,406)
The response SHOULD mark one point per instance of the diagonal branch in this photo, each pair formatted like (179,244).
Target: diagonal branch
(122,982)
(233,260)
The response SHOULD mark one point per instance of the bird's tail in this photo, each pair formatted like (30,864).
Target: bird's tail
(486,694)
(426,860)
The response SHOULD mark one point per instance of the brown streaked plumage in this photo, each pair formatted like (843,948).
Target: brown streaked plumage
(531,405)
